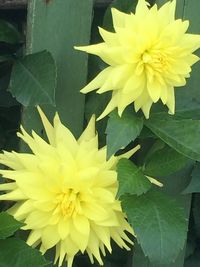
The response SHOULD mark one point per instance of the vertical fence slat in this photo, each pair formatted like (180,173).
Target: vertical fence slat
(57,26)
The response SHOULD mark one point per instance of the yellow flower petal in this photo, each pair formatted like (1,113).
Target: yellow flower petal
(119,18)
(82,224)
(50,236)
(171,100)
(33,237)
(89,132)
(63,136)
(97,82)
(110,107)
(104,236)
(167,13)
(21,209)
(8,186)
(15,195)
(48,127)
(142,9)
(154,90)
(63,228)
(108,37)
(92,49)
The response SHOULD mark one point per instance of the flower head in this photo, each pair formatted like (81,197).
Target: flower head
(149,54)
(65,192)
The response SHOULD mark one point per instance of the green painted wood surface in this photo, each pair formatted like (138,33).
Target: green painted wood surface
(186,9)
(57,26)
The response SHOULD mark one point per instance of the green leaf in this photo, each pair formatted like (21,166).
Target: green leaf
(157,145)
(33,79)
(194,185)
(146,133)
(131,179)
(122,130)
(164,161)
(16,253)
(8,225)
(8,33)
(180,134)
(159,224)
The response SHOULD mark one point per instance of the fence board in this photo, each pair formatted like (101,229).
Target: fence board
(57,26)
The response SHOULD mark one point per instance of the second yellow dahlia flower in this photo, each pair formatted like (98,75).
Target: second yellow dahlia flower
(65,192)
(149,54)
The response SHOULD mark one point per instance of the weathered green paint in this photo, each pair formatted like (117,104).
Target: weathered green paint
(57,26)
(186,9)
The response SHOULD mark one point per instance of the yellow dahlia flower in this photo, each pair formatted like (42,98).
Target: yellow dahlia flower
(65,192)
(149,54)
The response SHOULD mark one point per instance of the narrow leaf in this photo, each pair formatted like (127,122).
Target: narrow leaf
(131,179)
(182,135)
(8,225)
(33,79)
(16,253)
(159,224)
(122,130)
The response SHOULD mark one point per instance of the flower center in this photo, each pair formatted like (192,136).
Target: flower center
(156,60)
(68,203)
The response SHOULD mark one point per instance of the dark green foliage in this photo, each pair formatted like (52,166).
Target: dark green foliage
(16,253)
(8,225)
(122,130)
(33,79)
(194,185)
(131,179)
(164,161)
(159,224)
(181,134)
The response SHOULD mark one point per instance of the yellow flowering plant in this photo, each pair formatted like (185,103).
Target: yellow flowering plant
(149,53)
(65,192)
